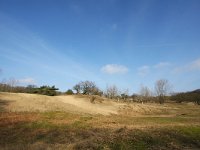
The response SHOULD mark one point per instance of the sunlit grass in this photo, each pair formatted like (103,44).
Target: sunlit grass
(62,130)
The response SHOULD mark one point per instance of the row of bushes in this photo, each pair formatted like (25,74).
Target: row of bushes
(44,90)
(193,96)
(89,88)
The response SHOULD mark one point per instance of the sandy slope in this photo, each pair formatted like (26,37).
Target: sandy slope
(19,102)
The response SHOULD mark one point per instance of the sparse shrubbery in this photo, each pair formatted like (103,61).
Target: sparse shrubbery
(69,92)
(161,94)
(193,96)
(112,92)
(92,99)
(46,90)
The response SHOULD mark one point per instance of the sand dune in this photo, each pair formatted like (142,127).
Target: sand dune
(20,102)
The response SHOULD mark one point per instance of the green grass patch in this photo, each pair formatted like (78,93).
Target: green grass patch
(39,125)
(91,132)
(58,115)
(193,132)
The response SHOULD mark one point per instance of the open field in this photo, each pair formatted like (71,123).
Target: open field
(68,122)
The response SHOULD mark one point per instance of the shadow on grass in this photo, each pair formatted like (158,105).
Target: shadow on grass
(3,104)
(98,138)
(24,131)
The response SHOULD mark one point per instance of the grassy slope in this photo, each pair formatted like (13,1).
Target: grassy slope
(175,127)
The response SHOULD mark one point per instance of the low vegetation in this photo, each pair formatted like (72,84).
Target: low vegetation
(193,96)
(44,90)
(135,126)
(88,118)
(145,95)
(61,130)
(69,92)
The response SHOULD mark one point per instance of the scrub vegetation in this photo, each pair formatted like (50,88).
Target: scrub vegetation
(132,126)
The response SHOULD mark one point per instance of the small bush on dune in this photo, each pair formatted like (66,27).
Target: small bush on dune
(92,99)
(69,92)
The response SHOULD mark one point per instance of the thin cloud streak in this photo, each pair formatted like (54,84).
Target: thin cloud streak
(28,48)
(162,65)
(27,81)
(157,68)
(157,45)
(191,66)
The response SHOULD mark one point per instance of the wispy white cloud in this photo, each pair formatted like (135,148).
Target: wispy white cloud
(162,65)
(27,47)
(195,65)
(157,45)
(191,66)
(144,70)
(27,81)
(114,69)
(159,67)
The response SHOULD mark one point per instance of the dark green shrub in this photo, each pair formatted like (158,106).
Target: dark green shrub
(69,92)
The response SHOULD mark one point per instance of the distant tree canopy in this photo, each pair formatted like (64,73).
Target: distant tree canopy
(45,90)
(162,88)
(87,88)
(77,88)
(193,96)
(69,92)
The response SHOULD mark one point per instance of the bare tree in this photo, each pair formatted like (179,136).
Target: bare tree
(77,88)
(8,85)
(87,88)
(162,88)
(112,92)
(125,94)
(4,86)
(12,82)
(145,93)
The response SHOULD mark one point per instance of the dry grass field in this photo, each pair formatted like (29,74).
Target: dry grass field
(40,122)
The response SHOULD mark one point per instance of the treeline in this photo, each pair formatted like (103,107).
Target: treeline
(112,92)
(161,93)
(193,96)
(44,90)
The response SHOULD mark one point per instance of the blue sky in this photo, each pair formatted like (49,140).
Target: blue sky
(128,43)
